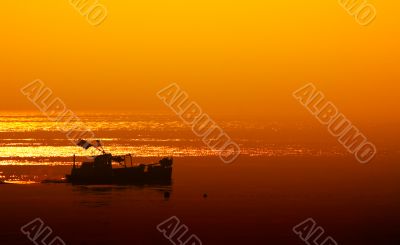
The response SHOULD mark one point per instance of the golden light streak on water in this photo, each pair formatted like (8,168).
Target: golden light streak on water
(32,148)
(21,182)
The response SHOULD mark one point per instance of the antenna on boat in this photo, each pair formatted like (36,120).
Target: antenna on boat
(130,157)
(97,144)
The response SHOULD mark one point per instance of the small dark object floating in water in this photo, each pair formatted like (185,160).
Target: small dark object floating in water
(167,195)
(205,195)
(101,171)
(54,181)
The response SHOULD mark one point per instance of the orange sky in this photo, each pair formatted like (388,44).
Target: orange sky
(240,57)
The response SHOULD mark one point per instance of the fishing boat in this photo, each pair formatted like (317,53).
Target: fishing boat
(101,170)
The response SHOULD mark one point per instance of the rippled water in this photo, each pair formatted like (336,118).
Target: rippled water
(31,139)
(30,135)
(286,173)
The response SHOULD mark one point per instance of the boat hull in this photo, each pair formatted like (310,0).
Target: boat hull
(122,176)
(102,172)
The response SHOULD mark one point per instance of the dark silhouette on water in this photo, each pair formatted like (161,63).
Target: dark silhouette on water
(167,195)
(53,181)
(101,171)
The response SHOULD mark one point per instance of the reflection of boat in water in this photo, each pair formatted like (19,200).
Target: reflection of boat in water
(101,171)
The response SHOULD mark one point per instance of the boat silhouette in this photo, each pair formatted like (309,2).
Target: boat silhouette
(100,170)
